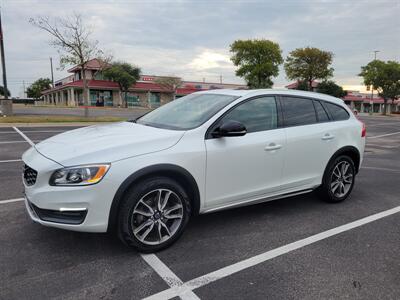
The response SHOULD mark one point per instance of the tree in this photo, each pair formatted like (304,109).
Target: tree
(302,85)
(124,74)
(329,87)
(258,61)
(169,82)
(308,64)
(35,89)
(73,41)
(2,91)
(383,77)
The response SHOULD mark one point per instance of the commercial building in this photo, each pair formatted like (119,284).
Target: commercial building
(362,102)
(146,92)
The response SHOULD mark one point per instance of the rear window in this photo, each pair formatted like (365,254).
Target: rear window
(298,111)
(321,113)
(337,112)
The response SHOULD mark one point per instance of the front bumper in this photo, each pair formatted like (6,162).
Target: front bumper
(71,217)
(77,208)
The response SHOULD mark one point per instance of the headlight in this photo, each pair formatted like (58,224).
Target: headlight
(79,175)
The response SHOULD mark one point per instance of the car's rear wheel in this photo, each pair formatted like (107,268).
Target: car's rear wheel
(154,214)
(338,180)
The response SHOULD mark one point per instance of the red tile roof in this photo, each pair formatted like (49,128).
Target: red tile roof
(353,98)
(93,64)
(294,85)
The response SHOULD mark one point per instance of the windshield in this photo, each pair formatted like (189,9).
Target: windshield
(187,112)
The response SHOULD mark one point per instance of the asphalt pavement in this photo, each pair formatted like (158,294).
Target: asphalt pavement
(293,248)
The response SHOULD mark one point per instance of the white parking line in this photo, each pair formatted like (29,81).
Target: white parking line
(381,169)
(10,160)
(24,136)
(19,142)
(168,276)
(258,259)
(43,131)
(382,135)
(33,131)
(11,200)
(12,142)
(379,124)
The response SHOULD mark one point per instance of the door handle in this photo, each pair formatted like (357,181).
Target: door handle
(327,137)
(272,147)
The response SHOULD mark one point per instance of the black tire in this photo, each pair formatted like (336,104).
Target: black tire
(127,218)
(325,190)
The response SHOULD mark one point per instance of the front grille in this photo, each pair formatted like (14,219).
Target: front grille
(30,175)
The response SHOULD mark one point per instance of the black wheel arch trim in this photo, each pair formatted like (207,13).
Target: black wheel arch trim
(159,169)
(347,150)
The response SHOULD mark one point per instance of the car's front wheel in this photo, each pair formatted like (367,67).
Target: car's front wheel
(153,214)
(338,179)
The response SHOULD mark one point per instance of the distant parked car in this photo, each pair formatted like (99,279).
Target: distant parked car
(201,153)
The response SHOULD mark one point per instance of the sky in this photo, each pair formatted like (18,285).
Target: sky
(191,39)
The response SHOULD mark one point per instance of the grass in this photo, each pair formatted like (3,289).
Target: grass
(57,119)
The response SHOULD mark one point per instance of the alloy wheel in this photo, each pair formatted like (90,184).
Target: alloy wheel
(157,216)
(341,179)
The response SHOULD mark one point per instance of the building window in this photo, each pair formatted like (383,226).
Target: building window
(132,100)
(98,76)
(100,98)
(155,98)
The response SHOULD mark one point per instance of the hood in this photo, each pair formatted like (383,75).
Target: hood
(106,143)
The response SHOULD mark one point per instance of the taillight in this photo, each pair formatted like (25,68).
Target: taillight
(363,130)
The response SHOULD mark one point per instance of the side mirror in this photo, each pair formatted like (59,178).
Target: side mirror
(230,128)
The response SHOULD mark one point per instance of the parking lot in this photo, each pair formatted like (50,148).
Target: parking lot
(294,248)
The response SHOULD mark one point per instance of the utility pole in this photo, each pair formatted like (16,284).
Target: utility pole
(371,102)
(52,75)
(220,79)
(6,105)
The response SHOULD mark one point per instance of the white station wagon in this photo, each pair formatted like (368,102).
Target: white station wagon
(204,152)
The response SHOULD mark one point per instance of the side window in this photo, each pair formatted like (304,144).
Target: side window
(337,112)
(256,115)
(298,111)
(321,113)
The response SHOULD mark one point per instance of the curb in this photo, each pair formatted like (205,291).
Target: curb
(69,124)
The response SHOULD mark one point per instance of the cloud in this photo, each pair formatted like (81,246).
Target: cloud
(210,59)
(191,38)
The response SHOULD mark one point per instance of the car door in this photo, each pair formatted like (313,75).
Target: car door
(245,167)
(310,142)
